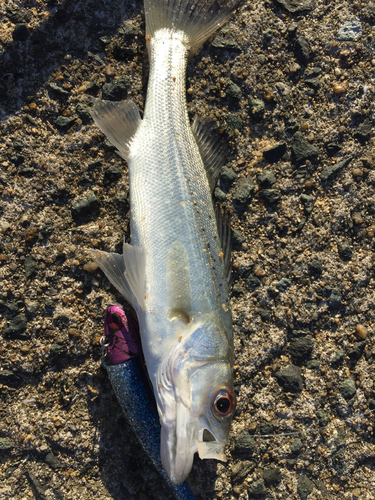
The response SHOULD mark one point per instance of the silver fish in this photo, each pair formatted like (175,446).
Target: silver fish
(175,273)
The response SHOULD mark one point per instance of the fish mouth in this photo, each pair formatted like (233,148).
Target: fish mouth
(209,447)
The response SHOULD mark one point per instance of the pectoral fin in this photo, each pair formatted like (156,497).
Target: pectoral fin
(126,272)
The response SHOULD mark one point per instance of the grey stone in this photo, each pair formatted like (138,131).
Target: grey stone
(270,196)
(241,470)
(272,477)
(117,90)
(257,108)
(225,40)
(57,350)
(30,267)
(6,445)
(65,122)
(16,328)
(316,267)
(302,150)
(283,284)
(345,251)
(332,169)
(113,173)
(347,388)
(301,348)
(297,5)
(232,90)
(296,446)
(86,206)
(302,50)
(253,282)
(364,131)
(334,300)
(257,489)
(244,446)
(290,379)
(58,90)
(9,378)
(227,175)
(266,178)
(350,30)
(308,202)
(244,192)
(233,122)
(304,486)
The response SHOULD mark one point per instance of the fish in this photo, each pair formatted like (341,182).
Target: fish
(122,358)
(175,272)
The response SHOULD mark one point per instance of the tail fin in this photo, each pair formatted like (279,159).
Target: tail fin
(197,18)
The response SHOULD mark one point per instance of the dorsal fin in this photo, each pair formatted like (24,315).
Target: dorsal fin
(119,121)
(225,235)
(212,147)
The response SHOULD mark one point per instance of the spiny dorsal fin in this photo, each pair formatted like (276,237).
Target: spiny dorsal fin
(119,121)
(212,147)
(225,235)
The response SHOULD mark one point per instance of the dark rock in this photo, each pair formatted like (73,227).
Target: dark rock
(256,489)
(257,108)
(232,90)
(283,284)
(113,173)
(332,169)
(84,113)
(313,364)
(316,267)
(313,83)
(38,489)
(291,126)
(227,175)
(9,378)
(334,300)
(219,194)
(17,15)
(225,40)
(290,379)
(123,200)
(237,290)
(94,165)
(244,446)
(299,333)
(323,417)
(16,328)
(244,192)
(264,428)
(30,267)
(61,322)
(275,153)
(308,202)
(265,315)
(302,50)
(6,445)
(237,238)
(266,178)
(52,461)
(304,486)
(58,90)
(338,358)
(65,122)
(253,282)
(302,150)
(117,90)
(272,477)
(301,348)
(20,33)
(347,389)
(93,87)
(297,5)
(296,446)
(88,206)
(270,196)
(241,470)
(364,131)
(58,350)
(233,122)
(357,351)
(371,404)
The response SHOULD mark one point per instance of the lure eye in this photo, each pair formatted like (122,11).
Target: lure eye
(224,403)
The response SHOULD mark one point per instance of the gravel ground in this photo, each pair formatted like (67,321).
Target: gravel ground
(292,86)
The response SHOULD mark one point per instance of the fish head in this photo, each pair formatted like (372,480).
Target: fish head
(195,397)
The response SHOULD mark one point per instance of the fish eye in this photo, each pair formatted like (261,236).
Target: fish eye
(224,403)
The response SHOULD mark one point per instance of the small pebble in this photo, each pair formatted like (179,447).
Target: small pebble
(361,331)
(340,87)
